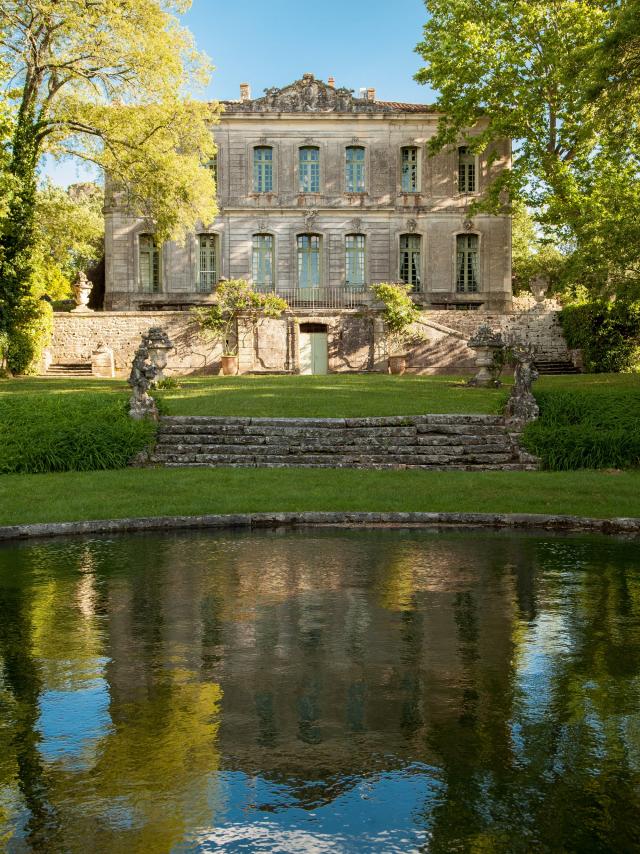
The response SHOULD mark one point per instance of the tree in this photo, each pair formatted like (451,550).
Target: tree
(529,71)
(531,255)
(104,82)
(69,236)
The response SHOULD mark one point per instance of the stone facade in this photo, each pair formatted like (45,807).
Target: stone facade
(311,114)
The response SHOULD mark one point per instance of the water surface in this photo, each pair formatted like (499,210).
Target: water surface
(324,691)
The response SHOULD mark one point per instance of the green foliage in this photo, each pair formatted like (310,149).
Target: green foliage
(168,384)
(235,298)
(68,432)
(541,74)
(607,332)
(400,313)
(531,255)
(597,426)
(31,333)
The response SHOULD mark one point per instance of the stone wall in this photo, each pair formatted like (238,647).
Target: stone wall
(354,339)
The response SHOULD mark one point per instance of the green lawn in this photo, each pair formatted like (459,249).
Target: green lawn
(160,492)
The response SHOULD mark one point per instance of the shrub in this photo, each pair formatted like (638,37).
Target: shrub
(594,427)
(608,333)
(75,431)
(399,315)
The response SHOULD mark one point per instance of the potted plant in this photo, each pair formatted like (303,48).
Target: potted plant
(235,298)
(399,315)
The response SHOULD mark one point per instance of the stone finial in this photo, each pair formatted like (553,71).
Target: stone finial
(485,342)
(82,291)
(158,345)
(245,92)
(522,406)
(539,286)
(331,82)
(371,94)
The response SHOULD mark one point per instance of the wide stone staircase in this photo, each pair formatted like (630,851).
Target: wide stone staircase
(69,370)
(466,442)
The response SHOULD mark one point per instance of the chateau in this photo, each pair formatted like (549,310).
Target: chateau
(320,194)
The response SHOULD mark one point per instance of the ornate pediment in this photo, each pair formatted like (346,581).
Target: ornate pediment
(305,96)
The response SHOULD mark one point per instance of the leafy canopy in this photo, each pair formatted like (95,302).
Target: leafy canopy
(105,81)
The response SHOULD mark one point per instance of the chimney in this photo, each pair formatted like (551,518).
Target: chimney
(371,94)
(245,92)
(332,82)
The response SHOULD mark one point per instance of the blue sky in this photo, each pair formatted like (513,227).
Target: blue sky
(274,42)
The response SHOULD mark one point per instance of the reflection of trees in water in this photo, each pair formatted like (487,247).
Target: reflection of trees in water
(340,655)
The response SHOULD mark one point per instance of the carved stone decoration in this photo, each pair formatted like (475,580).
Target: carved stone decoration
(522,406)
(355,140)
(468,225)
(310,218)
(305,96)
(158,345)
(262,140)
(143,375)
(485,342)
(81,292)
(356,224)
(412,225)
(263,224)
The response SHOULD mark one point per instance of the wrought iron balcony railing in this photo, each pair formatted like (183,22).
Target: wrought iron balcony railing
(332,297)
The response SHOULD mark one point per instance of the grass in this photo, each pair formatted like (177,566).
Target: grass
(589,421)
(332,396)
(41,431)
(126,493)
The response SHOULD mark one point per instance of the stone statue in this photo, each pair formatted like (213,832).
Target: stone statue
(143,374)
(522,406)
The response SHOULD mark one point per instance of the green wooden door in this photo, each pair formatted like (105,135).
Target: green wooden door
(313,353)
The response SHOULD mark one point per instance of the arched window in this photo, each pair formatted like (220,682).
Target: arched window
(466,170)
(149,264)
(354,165)
(410,183)
(467,264)
(410,263)
(207,263)
(262,262)
(355,260)
(309,169)
(262,169)
(308,261)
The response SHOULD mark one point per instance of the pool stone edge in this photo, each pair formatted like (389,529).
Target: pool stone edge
(530,521)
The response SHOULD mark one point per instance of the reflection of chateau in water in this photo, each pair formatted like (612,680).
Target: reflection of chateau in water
(316,660)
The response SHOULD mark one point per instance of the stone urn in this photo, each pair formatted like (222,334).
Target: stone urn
(485,342)
(539,286)
(229,365)
(82,291)
(397,363)
(158,345)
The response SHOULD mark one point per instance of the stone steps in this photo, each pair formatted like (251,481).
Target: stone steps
(551,367)
(69,370)
(439,442)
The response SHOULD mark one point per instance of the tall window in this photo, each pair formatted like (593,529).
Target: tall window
(410,260)
(212,164)
(208,263)
(355,260)
(466,171)
(354,169)
(467,265)
(262,169)
(308,261)
(410,170)
(309,170)
(149,264)
(262,262)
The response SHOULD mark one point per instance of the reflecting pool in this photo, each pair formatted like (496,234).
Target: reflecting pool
(327,690)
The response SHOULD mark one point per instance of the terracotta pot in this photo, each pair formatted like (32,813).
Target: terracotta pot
(229,366)
(397,364)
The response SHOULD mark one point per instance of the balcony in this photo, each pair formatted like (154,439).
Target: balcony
(312,298)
